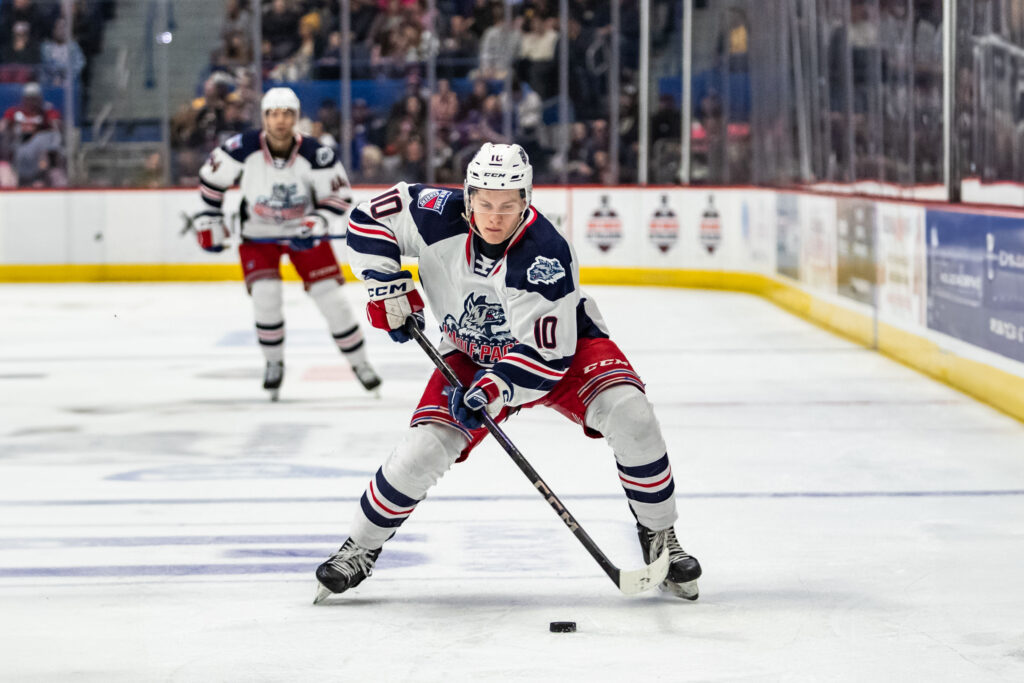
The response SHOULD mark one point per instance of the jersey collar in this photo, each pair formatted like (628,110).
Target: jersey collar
(269,158)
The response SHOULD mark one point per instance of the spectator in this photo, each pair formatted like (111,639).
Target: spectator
(62,59)
(475,100)
(371,167)
(33,130)
(299,65)
(498,46)
(412,161)
(444,106)
(237,19)
(281,28)
(666,123)
(330,116)
(22,48)
(151,175)
(537,50)
(38,20)
(235,51)
(458,49)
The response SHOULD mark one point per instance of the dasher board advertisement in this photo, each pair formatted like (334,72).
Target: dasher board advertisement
(901,263)
(976,279)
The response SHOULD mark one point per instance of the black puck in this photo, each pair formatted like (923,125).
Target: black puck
(563,627)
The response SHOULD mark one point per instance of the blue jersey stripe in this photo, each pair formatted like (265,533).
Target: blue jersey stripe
(373,247)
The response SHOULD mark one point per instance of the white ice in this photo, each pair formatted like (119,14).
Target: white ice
(160,520)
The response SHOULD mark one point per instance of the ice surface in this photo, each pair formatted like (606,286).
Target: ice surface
(160,520)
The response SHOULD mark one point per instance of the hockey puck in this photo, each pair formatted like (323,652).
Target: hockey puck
(563,627)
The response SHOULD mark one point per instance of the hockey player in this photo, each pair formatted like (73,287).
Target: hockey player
(292,187)
(517,331)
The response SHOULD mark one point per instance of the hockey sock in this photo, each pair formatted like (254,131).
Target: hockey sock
(341,320)
(416,464)
(268,307)
(624,416)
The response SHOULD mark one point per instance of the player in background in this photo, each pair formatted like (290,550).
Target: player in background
(292,188)
(517,331)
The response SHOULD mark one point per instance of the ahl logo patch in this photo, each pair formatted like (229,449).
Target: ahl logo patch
(433,200)
(545,271)
(233,143)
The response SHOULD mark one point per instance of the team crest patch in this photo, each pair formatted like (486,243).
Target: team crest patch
(546,271)
(324,156)
(433,200)
(233,143)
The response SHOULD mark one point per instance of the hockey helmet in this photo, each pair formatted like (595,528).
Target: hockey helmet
(280,98)
(500,167)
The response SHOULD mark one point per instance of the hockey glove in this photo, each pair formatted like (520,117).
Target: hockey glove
(489,391)
(211,232)
(393,298)
(313,227)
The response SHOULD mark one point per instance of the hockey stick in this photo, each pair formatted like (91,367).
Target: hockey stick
(629,582)
(189,225)
(285,240)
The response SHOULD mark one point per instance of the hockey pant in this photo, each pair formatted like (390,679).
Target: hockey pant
(622,413)
(268,306)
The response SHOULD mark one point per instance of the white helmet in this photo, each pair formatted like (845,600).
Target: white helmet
(280,98)
(500,167)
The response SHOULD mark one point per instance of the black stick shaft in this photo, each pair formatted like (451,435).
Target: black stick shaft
(545,491)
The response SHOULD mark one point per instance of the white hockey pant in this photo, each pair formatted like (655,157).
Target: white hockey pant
(341,320)
(268,307)
(416,464)
(624,415)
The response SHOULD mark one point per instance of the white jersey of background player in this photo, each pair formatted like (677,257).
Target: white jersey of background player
(518,332)
(292,188)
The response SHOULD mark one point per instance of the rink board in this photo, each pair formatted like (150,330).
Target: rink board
(940,291)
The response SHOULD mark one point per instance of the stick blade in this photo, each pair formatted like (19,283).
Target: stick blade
(640,580)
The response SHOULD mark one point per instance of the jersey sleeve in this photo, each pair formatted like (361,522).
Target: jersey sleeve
(381,231)
(332,194)
(220,171)
(542,298)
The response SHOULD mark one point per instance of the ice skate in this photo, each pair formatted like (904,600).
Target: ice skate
(684,570)
(272,378)
(344,569)
(368,377)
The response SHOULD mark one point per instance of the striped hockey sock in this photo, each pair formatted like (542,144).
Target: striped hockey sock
(385,506)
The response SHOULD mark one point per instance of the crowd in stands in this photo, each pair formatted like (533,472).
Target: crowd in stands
(479,49)
(41,47)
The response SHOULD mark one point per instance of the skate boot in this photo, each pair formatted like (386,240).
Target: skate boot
(683,568)
(367,376)
(344,569)
(272,378)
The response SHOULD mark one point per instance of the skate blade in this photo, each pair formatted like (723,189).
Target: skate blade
(322,593)
(274,394)
(686,591)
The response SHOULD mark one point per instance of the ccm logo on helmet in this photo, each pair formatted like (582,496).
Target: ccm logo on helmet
(384,290)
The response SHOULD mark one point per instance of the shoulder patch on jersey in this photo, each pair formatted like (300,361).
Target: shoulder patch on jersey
(545,271)
(433,200)
(324,156)
(233,143)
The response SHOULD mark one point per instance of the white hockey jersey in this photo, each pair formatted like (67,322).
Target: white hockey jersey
(519,315)
(276,192)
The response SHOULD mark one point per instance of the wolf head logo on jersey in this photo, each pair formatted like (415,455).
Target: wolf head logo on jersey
(285,203)
(481,331)
(546,271)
